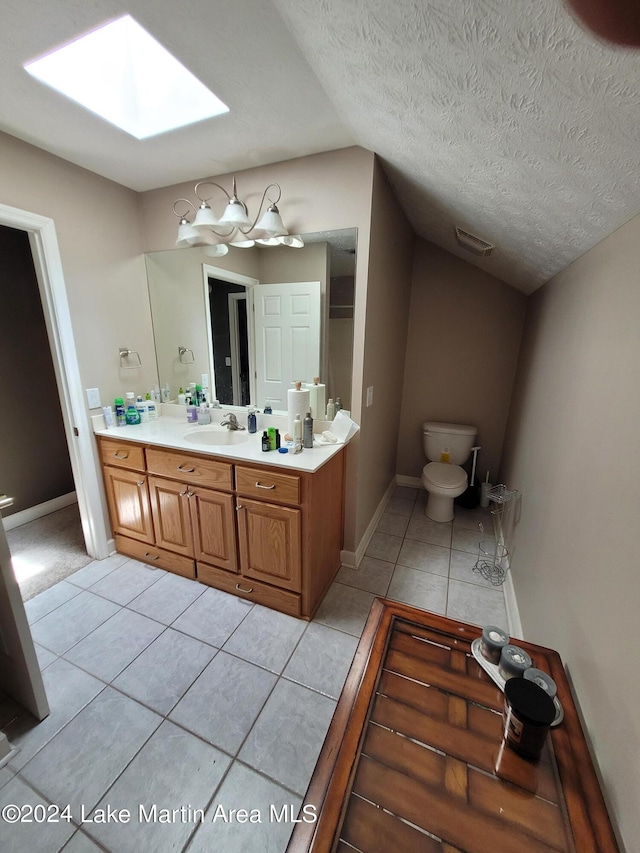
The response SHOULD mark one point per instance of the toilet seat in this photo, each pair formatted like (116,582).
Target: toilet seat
(444,476)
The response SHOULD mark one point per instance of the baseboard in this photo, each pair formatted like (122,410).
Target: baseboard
(353,558)
(513,614)
(33,512)
(413,482)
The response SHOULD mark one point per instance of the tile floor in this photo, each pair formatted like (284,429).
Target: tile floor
(179,702)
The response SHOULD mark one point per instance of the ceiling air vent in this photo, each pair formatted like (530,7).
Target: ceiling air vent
(473,244)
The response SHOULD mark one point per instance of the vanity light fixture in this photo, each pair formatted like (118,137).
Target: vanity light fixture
(234,227)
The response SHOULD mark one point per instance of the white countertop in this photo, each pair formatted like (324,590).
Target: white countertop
(171,432)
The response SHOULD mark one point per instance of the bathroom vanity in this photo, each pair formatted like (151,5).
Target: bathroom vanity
(268,531)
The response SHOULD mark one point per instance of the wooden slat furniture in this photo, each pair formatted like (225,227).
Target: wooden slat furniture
(409,761)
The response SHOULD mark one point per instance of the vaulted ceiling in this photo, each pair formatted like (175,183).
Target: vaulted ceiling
(504,117)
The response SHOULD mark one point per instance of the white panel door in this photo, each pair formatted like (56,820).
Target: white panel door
(287,332)
(19,671)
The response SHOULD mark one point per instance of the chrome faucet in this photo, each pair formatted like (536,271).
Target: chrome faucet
(231,422)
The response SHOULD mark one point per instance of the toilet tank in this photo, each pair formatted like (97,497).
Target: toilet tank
(459,438)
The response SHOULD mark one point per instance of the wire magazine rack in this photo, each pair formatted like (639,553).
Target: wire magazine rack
(493,553)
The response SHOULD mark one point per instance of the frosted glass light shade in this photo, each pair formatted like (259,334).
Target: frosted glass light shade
(235,215)
(271,223)
(295,241)
(205,218)
(217,251)
(187,234)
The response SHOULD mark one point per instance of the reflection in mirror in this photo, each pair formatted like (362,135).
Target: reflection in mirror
(223,310)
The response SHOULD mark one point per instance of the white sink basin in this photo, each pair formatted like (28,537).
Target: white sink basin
(215,436)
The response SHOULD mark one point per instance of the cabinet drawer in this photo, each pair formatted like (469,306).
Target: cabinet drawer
(122,453)
(265,485)
(251,590)
(156,557)
(193,470)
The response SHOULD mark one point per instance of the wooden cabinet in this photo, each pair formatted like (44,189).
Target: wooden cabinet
(270,536)
(128,500)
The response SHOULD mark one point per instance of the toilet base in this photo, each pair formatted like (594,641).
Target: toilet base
(439,507)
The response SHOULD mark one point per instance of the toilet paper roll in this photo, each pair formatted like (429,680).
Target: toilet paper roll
(297,404)
(317,400)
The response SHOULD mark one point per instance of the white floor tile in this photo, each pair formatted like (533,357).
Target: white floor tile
(420,588)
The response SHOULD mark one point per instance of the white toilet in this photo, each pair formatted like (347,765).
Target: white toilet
(446,446)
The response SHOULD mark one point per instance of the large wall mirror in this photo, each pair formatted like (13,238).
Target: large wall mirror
(255,320)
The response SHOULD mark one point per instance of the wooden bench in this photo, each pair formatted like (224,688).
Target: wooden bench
(409,761)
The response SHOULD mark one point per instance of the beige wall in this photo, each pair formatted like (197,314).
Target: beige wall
(320,192)
(573,450)
(464,334)
(98,232)
(379,358)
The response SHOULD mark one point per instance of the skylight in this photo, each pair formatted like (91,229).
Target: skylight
(125,76)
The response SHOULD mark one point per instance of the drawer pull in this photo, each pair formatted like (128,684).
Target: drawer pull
(242,589)
(186,470)
(140,483)
(121,455)
(260,486)
(152,556)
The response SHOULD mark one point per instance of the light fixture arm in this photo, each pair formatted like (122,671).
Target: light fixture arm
(182,216)
(273,203)
(212,184)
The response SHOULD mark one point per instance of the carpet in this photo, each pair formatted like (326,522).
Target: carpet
(47,550)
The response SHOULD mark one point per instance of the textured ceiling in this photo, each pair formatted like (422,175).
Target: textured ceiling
(504,117)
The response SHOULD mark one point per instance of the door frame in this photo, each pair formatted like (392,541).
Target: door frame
(209,271)
(55,305)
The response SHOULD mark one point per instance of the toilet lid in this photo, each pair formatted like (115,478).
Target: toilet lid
(444,475)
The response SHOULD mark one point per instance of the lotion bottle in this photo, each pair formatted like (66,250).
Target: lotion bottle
(331,410)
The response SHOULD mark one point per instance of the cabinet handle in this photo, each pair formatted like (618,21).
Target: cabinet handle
(152,556)
(260,486)
(182,494)
(186,470)
(239,507)
(242,589)
(121,455)
(140,482)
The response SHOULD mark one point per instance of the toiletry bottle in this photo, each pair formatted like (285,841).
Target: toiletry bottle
(445,454)
(267,409)
(277,439)
(192,412)
(182,397)
(132,415)
(271,432)
(198,394)
(143,410)
(297,431)
(331,410)
(121,412)
(204,415)
(252,420)
(107,411)
(266,443)
(307,431)
(338,404)
(166,394)
(152,408)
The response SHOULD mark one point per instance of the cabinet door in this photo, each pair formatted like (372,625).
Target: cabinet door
(269,538)
(129,507)
(214,530)
(171,515)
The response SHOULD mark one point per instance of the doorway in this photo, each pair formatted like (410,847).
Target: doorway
(24,400)
(43,526)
